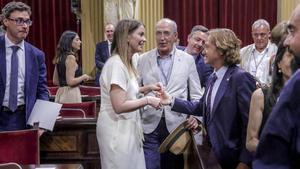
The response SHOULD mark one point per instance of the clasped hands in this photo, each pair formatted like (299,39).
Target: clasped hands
(162,98)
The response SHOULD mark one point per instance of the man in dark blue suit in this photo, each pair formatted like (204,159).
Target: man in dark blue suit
(225,103)
(23,70)
(279,146)
(196,40)
(103,51)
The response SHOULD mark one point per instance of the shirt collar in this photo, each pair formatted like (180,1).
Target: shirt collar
(221,72)
(169,55)
(9,43)
(265,50)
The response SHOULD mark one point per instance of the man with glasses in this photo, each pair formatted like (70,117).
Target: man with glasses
(23,70)
(196,40)
(255,58)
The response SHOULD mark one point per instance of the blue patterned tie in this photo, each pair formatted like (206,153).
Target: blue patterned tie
(13,90)
(208,102)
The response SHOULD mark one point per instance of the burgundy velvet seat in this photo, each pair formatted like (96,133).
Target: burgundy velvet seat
(89,90)
(20,146)
(53,90)
(81,110)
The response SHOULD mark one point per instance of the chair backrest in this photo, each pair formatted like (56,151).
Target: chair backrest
(81,110)
(20,146)
(53,90)
(10,166)
(90,90)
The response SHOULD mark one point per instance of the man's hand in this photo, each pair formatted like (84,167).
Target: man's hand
(165,98)
(192,123)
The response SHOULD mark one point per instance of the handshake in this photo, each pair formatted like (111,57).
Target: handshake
(160,98)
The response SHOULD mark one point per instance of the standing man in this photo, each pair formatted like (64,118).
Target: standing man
(225,103)
(196,39)
(103,50)
(279,143)
(176,70)
(23,70)
(256,57)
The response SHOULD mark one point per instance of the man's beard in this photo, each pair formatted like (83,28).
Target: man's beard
(295,63)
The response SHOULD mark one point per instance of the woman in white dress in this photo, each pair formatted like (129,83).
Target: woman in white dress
(119,131)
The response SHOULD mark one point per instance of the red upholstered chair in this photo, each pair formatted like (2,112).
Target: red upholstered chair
(89,91)
(53,90)
(81,110)
(20,147)
(10,166)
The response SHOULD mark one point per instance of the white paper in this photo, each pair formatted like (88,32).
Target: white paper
(44,112)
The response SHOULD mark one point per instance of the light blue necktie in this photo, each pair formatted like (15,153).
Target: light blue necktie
(13,90)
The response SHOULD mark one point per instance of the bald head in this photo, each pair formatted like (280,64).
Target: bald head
(293,38)
(167,21)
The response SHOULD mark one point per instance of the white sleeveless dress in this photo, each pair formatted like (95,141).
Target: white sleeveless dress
(120,136)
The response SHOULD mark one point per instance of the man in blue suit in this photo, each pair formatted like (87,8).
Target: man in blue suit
(103,50)
(225,103)
(279,146)
(23,70)
(196,40)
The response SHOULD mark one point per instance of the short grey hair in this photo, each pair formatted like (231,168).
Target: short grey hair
(169,21)
(260,22)
(198,28)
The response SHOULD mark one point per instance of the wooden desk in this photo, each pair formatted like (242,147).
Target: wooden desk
(72,141)
(56,166)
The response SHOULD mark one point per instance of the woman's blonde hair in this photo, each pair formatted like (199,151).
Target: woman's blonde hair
(227,44)
(120,44)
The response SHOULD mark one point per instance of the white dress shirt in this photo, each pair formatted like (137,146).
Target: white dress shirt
(21,71)
(220,74)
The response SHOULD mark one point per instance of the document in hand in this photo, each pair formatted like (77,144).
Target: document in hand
(45,113)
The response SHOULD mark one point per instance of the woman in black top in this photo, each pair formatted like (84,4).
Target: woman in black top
(67,73)
(263,99)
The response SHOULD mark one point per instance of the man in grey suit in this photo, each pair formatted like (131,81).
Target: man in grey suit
(176,70)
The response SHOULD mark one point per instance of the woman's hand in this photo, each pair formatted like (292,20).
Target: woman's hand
(153,101)
(86,77)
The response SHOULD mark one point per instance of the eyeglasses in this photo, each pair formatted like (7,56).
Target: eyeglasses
(21,22)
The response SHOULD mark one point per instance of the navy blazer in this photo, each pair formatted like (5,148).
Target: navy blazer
(204,70)
(35,75)
(101,56)
(279,146)
(228,123)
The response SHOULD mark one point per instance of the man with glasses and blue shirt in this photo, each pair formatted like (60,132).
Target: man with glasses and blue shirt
(255,58)
(23,70)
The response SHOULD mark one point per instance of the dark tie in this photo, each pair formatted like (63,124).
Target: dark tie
(13,90)
(208,102)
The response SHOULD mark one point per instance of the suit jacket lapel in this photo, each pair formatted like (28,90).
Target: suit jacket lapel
(154,67)
(29,63)
(106,49)
(175,66)
(222,89)
(2,59)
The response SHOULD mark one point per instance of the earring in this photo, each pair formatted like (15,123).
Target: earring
(279,71)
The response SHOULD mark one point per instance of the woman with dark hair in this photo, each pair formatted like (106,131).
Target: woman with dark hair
(67,73)
(119,130)
(263,99)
